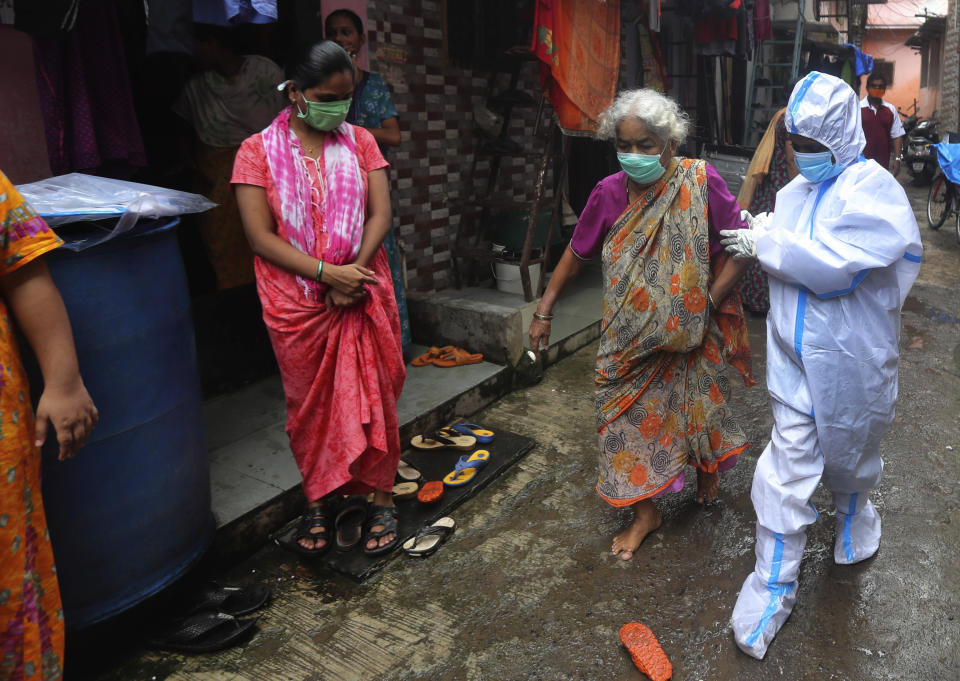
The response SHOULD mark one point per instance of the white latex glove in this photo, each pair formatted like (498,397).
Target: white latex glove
(758,222)
(740,243)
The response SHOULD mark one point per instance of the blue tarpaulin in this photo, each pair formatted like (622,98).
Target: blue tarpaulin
(949,157)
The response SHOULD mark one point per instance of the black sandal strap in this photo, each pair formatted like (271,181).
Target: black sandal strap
(381,515)
(437,530)
(199,625)
(316,516)
(442,438)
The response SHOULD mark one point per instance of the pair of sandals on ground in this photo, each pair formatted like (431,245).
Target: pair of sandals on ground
(381,523)
(208,620)
(323,526)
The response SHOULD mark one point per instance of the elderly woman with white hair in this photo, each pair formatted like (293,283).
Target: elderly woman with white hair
(672,320)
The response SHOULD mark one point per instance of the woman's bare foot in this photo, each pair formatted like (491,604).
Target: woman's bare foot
(381,498)
(646,519)
(708,486)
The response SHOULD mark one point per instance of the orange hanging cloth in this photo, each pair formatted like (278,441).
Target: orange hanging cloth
(578,43)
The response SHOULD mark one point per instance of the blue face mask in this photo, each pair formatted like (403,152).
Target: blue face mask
(642,168)
(817,167)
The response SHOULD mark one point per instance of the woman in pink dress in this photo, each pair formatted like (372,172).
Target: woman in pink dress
(314,199)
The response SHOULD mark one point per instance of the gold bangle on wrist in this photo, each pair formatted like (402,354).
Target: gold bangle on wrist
(542,317)
(710,298)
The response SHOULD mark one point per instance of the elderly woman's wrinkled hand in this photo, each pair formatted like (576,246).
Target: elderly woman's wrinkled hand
(740,243)
(539,336)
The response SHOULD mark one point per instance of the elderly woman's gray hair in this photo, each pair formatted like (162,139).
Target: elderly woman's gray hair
(661,115)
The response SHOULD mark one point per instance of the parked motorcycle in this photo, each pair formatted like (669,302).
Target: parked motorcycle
(918,156)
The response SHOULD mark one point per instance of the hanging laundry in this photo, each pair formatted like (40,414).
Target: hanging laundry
(23,143)
(653,15)
(50,18)
(169,26)
(651,58)
(862,60)
(85,95)
(231,12)
(698,8)
(578,43)
(716,33)
(762,22)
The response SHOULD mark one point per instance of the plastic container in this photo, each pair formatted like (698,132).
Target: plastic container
(509,228)
(507,276)
(131,512)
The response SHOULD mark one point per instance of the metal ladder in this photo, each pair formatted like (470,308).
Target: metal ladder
(763,70)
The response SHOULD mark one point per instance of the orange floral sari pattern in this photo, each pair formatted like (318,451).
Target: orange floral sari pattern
(661,386)
(31,619)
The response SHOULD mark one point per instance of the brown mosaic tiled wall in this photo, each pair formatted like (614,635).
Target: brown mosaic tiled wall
(436,100)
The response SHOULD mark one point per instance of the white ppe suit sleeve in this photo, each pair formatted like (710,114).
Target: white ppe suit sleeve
(863,222)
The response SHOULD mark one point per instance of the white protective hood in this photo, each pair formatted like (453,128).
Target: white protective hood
(826,109)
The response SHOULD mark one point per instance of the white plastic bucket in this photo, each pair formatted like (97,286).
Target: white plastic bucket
(507,276)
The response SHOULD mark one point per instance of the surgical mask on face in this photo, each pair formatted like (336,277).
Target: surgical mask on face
(642,168)
(324,116)
(818,166)
(876,92)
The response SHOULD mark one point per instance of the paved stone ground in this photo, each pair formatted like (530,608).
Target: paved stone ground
(527,587)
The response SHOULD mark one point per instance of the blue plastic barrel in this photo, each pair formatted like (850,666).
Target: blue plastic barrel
(131,512)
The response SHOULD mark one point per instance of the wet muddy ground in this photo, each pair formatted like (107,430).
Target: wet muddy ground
(527,587)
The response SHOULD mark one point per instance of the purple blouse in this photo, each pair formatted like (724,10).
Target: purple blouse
(608,201)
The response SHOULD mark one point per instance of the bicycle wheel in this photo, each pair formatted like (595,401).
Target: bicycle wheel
(957,226)
(939,201)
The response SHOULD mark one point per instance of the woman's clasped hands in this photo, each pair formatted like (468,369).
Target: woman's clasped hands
(346,283)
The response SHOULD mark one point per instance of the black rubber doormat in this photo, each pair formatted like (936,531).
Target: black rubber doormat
(506,449)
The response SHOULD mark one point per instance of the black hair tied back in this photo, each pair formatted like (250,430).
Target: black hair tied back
(315,63)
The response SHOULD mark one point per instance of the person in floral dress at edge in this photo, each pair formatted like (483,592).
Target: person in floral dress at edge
(31,619)
(771,168)
(672,320)
(373,109)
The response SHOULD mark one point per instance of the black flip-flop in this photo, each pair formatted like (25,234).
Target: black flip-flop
(231,600)
(203,633)
(430,537)
(349,526)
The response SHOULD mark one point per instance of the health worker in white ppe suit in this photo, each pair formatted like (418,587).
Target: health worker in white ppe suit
(842,250)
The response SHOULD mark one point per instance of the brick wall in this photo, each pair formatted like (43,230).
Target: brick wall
(431,168)
(950,102)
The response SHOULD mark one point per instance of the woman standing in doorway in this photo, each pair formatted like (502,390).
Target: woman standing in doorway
(373,109)
(314,199)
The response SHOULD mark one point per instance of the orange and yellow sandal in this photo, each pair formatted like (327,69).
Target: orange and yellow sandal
(466,468)
(432,354)
(456,357)
(646,651)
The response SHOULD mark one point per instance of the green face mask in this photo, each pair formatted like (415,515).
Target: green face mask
(324,115)
(642,168)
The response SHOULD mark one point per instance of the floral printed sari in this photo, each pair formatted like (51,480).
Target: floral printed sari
(661,387)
